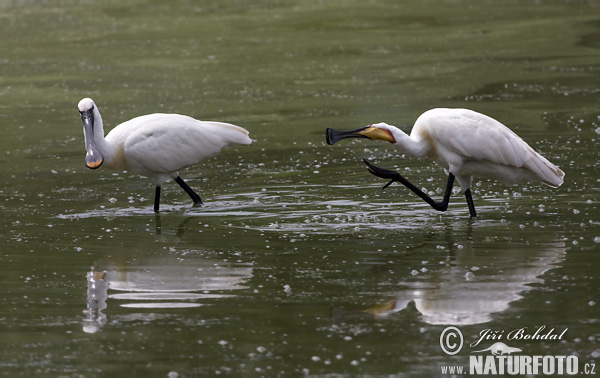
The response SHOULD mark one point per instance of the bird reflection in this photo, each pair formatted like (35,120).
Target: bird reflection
(180,229)
(472,286)
(96,302)
(156,281)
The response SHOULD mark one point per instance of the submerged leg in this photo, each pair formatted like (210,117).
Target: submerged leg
(395,176)
(158,224)
(157,198)
(470,203)
(195,197)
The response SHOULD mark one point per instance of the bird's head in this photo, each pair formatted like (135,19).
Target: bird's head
(376,131)
(93,157)
(86,104)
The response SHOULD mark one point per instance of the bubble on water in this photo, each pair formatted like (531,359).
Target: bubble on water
(469,276)
(414,272)
(591,303)
(597,239)
(316,358)
(575,211)
(287,289)
(223,342)
(261,349)
(112,200)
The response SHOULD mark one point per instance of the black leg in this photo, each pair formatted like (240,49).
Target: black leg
(157,198)
(470,203)
(395,176)
(189,191)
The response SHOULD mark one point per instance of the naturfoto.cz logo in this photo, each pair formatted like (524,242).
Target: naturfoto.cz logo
(502,359)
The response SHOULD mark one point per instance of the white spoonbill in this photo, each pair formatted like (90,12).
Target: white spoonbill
(466,144)
(155,145)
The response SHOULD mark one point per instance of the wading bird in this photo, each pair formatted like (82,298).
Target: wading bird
(155,145)
(466,144)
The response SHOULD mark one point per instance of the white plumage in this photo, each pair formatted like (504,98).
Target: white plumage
(155,145)
(466,144)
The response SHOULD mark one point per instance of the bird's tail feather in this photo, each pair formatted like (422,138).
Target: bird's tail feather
(231,133)
(549,173)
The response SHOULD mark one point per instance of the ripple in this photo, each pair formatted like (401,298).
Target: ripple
(218,208)
(302,209)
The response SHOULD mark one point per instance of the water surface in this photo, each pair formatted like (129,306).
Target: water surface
(298,263)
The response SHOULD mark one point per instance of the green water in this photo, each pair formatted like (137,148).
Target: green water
(298,263)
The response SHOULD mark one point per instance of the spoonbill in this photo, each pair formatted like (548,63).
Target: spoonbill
(155,145)
(463,142)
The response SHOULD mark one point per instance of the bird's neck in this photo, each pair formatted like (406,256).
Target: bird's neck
(105,148)
(415,147)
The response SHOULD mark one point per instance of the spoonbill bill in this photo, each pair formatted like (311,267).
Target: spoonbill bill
(155,145)
(463,142)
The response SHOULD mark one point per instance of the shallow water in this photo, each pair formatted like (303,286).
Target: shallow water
(297,263)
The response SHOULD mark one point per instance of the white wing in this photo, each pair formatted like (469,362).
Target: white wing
(475,136)
(165,143)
